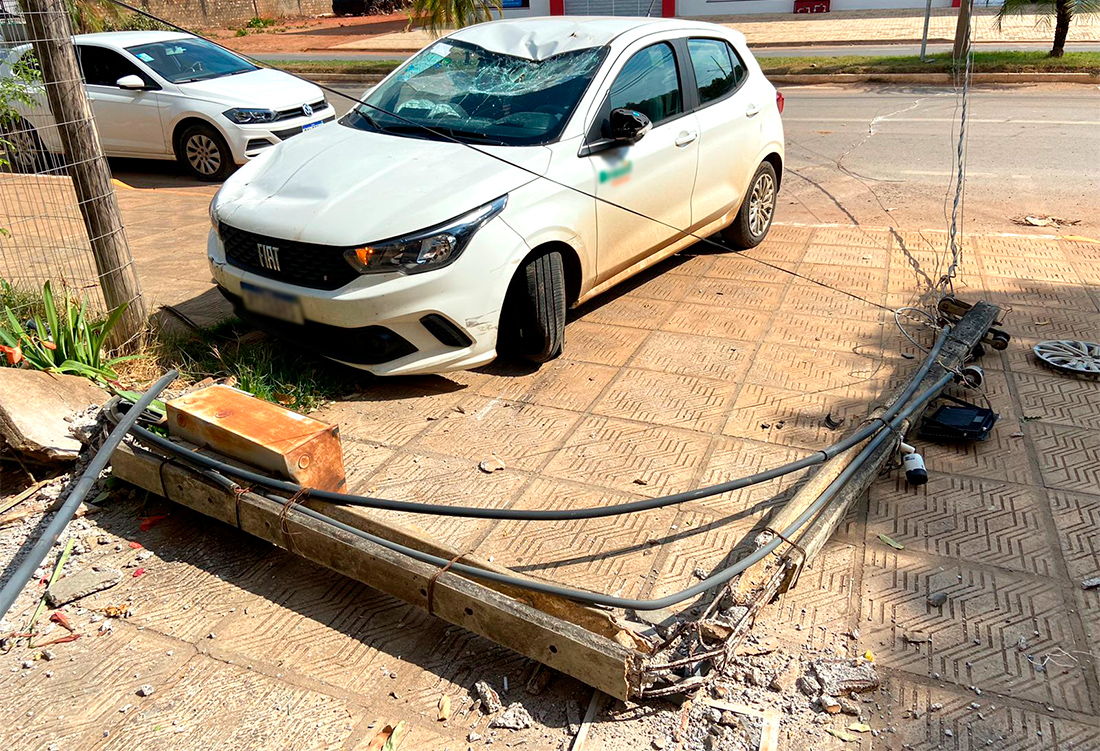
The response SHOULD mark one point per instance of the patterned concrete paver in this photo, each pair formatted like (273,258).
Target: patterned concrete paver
(708,367)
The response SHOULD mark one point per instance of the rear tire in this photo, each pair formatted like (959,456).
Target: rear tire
(534,309)
(754,218)
(204,154)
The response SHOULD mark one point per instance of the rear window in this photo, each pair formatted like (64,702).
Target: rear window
(718,69)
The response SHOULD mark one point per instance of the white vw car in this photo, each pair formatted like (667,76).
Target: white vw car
(165,95)
(504,173)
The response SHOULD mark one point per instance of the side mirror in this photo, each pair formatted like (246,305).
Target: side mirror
(131,83)
(628,126)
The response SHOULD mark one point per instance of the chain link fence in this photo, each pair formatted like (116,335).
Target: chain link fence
(59,219)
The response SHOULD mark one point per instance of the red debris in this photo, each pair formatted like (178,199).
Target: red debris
(138,572)
(61,619)
(136,545)
(151,521)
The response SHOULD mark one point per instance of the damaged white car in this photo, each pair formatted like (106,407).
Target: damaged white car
(506,172)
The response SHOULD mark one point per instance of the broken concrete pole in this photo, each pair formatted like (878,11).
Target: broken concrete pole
(81,584)
(513,718)
(33,408)
(841,676)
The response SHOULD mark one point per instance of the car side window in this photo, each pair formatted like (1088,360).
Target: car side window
(650,84)
(103,67)
(718,69)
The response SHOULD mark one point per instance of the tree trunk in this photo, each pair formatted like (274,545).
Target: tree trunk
(1064,10)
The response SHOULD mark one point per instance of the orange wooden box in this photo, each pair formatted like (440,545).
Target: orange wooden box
(241,427)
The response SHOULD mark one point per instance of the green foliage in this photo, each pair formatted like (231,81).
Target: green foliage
(1062,10)
(61,336)
(268,368)
(241,33)
(129,21)
(16,89)
(439,15)
(90,16)
(260,23)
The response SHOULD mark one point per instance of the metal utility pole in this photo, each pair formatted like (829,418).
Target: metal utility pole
(962,31)
(924,36)
(50,32)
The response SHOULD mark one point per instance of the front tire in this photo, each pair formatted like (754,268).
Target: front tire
(22,149)
(204,154)
(754,218)
(534,310)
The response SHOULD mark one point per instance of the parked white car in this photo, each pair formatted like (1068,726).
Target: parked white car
(166,95)
(505,172)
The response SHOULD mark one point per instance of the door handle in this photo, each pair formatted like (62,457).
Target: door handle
(686,137)
(751,111)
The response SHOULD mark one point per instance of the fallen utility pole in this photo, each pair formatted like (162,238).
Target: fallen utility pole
(777,573)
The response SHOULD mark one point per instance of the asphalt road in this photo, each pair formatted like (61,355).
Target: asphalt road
(882,155)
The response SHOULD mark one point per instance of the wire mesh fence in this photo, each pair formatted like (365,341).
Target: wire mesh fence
(59,221)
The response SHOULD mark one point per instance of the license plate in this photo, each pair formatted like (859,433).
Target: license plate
(270,303)
(311,126)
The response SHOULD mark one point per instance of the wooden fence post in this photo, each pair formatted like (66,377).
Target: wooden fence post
(50,31)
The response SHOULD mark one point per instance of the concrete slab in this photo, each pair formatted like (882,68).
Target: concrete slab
(33,408)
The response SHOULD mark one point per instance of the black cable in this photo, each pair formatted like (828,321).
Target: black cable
(528,170)
(256,479)
(716,579)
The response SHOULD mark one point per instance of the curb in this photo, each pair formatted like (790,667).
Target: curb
(807,79)
(932,79)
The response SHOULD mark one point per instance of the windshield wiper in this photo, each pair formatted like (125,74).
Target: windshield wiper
(443,133)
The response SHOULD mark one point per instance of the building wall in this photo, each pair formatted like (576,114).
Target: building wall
(689,8)
(200,13)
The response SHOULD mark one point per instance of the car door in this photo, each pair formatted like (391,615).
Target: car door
(729,129)
(128,121)
(653,177)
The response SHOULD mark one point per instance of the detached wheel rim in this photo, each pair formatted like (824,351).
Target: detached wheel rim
(761,204)
(203,154)
(22,149)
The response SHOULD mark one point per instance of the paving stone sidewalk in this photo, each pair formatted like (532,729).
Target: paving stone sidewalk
(709,366)
(842,27)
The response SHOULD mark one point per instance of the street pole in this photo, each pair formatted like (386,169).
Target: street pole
(962,31)
(924,36)
(51,34)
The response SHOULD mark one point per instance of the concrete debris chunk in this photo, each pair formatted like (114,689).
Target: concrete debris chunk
(513,718)
(490,699)
(937,599)
(809,685)
(81,584)
(785,679)
(1091,583)
(488,466)
(714,631)
(840,676)
(33,408)
(829,704)
(145,690)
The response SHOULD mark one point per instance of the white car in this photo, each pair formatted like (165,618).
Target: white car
(504,173)
(165,95)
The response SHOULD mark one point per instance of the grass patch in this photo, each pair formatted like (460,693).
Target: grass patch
(263,366)
(361,67)
(984,62)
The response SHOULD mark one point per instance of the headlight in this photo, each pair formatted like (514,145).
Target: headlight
(431,249)
(214,217)
(244,116)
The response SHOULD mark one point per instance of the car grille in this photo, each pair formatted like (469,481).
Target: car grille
(298,263)
(294,112)
(282,135)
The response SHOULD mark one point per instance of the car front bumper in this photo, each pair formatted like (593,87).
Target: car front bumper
(249,141)
(395,324)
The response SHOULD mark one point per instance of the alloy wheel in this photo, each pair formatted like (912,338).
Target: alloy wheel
(761,204)
(203,154)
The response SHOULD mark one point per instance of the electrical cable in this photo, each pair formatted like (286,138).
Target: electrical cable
(21,574)
(534,173)
(904,332)
(256,479)
(716,579)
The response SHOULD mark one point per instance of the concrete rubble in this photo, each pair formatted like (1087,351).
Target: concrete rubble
(82,584)
(33,409)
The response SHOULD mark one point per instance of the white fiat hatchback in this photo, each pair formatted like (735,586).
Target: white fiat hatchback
(506,172)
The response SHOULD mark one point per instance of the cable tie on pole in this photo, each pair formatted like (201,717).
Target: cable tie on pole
(435,576)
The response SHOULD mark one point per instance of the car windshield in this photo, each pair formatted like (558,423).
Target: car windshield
(463,91)
(186,60)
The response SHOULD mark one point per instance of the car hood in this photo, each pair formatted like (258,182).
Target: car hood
(270,89)
(336,185)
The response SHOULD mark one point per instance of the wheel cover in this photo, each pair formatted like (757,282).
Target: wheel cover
(203,154)
(1070,356)
(761,204)
(21,149)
